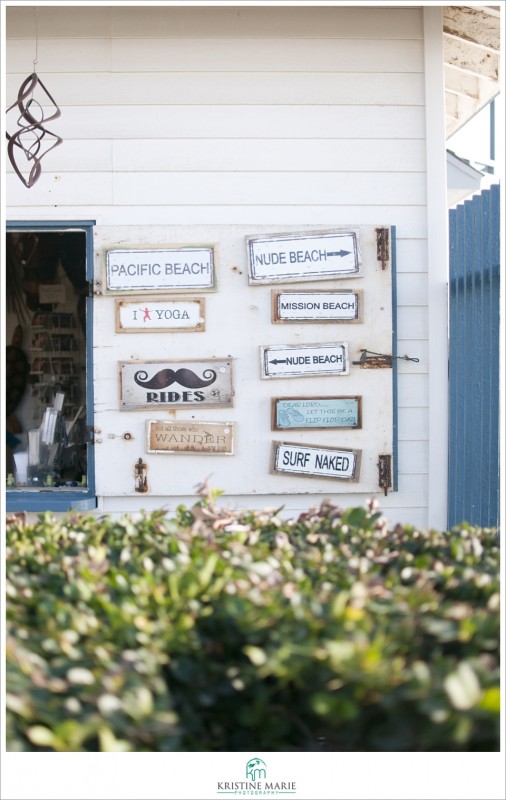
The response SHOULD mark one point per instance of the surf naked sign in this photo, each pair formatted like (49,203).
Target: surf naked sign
(315,461)
(331,306)
(290,361)
(173,268)
(213,438)
(315,255)
(151,384)
(299,413)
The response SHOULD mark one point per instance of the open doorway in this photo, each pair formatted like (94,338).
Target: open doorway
(46,363)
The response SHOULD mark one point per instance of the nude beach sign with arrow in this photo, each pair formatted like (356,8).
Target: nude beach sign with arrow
(311,256)
(291,361)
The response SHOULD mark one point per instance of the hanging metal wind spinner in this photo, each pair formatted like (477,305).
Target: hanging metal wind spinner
(32,140)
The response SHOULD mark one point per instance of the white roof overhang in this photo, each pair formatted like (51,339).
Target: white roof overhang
(471,41)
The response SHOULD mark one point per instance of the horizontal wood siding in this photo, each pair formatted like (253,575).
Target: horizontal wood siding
(254,117)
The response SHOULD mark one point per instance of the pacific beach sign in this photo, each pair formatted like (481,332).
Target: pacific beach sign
(156,269)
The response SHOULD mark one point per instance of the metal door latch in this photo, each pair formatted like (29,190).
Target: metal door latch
(141,481)
(371,360)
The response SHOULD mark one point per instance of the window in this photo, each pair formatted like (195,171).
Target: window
(49,393)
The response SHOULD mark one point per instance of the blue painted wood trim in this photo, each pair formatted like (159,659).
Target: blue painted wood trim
(50,501)
(395,391)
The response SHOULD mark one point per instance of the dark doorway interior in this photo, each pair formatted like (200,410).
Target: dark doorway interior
(45,388)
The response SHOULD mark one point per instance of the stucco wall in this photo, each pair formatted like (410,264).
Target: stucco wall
(260,118)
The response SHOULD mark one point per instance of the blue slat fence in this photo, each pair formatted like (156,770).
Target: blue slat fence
(473,493)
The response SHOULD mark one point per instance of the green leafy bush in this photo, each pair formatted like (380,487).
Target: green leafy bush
(219,630)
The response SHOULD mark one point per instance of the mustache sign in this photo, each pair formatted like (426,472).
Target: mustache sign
(158,383)
(184,377)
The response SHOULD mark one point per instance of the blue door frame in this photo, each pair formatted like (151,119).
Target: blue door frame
(473,494)
(51,499)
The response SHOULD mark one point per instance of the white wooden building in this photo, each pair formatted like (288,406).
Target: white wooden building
(196,126)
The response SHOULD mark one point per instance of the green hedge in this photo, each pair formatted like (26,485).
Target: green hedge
(218,630)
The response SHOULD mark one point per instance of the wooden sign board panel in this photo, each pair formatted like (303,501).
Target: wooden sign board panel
(156,315)
(289,361)
(312,306)
(310,256)
(315,461)
(165,269)
(151,384)
(299,413)
(203,438)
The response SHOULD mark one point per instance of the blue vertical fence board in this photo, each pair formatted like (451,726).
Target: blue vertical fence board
(452,371)
(473,448)
(487,447)
(495,281)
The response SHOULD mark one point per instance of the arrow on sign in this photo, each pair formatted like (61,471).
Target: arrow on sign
(339,253)
(278,361)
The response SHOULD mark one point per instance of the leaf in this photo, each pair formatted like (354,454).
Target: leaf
(109,743)
(40,736)
(81,676)
(491,700)
(463,687)
(256,655)
(207,570)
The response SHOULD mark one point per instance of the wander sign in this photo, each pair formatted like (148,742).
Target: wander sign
(212,438)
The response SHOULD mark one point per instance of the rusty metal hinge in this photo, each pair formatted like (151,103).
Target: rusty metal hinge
(93,288)
(385,472)
(383,246)
(91,435)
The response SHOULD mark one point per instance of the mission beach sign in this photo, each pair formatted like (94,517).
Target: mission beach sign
(303,256)
(173,268)
(287,361)
(331,306)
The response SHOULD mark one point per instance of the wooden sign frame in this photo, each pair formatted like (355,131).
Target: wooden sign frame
(306,405)
(324,355)
(202,438)
(300,461)
(195,309)
(304,256)
(176,383)
(313,297)
(160,269)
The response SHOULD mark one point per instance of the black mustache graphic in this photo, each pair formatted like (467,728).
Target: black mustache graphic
(185,377)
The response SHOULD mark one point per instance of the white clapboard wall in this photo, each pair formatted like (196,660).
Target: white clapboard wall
(236,121)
